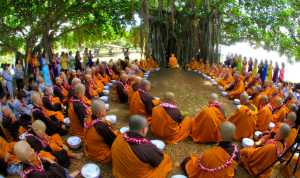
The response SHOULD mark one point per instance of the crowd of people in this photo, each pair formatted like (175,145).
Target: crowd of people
(33,119)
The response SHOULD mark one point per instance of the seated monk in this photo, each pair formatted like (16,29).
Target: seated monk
(291,121)
(244,118)
(51,102)
(236,88)
(53,120)
(11,126)
(92,91)
(135,156)
(78,111)
(97,78)
(74,82)
(8,161)
(206,125)
(173,62)
(122,87)
(39,165)
(105,77)
(256,160)
(226,79)
(142,102)
(98,134)
(264,114)
(134,86)
(167,122)
(40,141)
(60,91)
(219,161)
(280,110)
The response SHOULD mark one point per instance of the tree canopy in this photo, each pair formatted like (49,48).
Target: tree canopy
(179,26)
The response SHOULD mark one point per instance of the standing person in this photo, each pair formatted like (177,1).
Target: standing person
(8,80)
(90,59)
(19,74)
(264,71)
(64,60)
(281,73)
(45,70)
(239,64)
(250,65)
(276,72)
(71,60)
(85,56)
(78,61)
(254,72)
(244,65)
(270,71)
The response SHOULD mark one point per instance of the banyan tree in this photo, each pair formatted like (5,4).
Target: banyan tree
(184,29)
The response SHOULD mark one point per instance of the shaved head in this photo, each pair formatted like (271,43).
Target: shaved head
(80,90)
(169,96)
(146,84)
(292,116)
(244,98)
(23,151)
(75,81)
(293,107)
(36,98)
(124,77)
(284,130)
(278,102)
(137,123)
(98,107)
(213,97)
(227,130)
(263,100)
(38,125)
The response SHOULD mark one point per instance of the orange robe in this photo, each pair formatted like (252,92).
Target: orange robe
(173,63)
(211,158)
(165,128)
(244,120)
(126,164)
(76,127)
(280,115)
(256,160)
(238,89)
(5,148)
(206,125)
(264,117)
(136,105)
(94,146)
(291,138)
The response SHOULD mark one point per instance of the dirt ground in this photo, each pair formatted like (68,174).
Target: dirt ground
(192,93)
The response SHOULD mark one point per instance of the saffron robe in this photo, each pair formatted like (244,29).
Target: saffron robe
(280,114)
(211,158)
(244,120)
(263,118)
(256,160)
(173,62)
(166,128)
(126,164)
(98,138)
(206,125)
(237,90)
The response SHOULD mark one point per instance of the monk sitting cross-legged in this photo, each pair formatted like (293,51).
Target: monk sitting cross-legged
(78,111)
(205,127)
(256,160)
(135,156)
(264,114)
(173,62)
(244,118)
(98,134)
(280,110)
(141,101)
(167,122)
(236,88)
(219,161)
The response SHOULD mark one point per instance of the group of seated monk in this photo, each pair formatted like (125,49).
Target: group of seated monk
(33,146)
